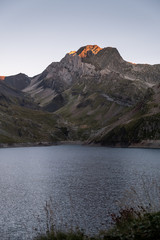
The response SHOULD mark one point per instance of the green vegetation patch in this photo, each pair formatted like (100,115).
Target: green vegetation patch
(134,132)
(129,225)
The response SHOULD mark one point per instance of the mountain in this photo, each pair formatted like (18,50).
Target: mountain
(19,81)
(91,63)
(92,95)
(47,87)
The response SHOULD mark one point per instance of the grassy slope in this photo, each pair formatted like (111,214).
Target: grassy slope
(87,109)
(139,124)
(136,131)
(22,125)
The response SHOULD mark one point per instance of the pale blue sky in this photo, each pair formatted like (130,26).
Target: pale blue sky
(35,33)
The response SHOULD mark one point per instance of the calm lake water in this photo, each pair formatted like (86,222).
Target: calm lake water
(85,184)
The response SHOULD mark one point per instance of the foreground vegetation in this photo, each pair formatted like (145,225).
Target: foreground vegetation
(129,224)
(137,219)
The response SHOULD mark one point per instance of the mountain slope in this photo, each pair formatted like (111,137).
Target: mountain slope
(9,95)
(138,128)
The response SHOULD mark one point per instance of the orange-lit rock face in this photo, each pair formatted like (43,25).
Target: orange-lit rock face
(2,77)
(72,53)
(83,51)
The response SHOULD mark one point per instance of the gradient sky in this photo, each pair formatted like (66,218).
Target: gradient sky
(35,33)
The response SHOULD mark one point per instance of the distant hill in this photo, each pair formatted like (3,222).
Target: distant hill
(19,81)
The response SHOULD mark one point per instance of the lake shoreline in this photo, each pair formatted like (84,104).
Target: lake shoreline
(148,144)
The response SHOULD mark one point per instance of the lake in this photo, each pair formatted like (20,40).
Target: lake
(83,185)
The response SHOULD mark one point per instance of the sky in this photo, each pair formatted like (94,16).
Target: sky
(35,33)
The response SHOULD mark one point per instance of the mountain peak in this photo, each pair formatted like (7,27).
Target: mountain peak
(86,51)
(108,57)
(18,81)
(111,51)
